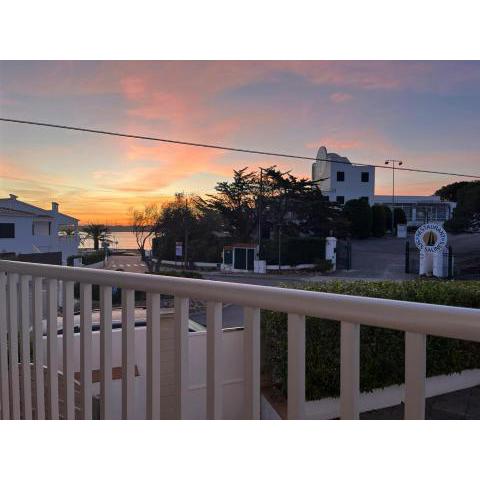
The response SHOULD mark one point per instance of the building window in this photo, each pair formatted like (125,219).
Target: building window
(340,176)
(365,177)
(49,228)
(341,199)
(7,230)
(365,199)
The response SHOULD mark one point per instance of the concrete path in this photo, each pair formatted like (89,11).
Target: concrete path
(459,405)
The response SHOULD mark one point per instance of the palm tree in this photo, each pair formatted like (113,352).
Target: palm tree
(97,232)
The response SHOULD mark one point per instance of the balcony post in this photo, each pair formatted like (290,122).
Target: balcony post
(214,361)
(251,345)
(296,367)
(105,352)
(4,388)
(182,354)
(153,356)
(349,371)
(415,373)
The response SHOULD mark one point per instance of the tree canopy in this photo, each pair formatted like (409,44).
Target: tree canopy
(280,199)
(450,192)
(359,214)
(97,232)
(466,216)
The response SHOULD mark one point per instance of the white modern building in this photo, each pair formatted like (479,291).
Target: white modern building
(340,180)
(27,229)
(420,209)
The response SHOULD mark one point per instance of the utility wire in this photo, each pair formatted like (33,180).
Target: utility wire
(230,149)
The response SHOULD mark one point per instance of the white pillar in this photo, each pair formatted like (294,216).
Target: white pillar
(331,251)
(440,263)
(426,263)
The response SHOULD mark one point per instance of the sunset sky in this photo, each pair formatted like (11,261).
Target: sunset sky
(426,114)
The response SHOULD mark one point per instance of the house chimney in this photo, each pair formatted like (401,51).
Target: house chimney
(13,197)
(54,207)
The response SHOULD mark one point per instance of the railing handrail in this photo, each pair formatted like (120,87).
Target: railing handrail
(429,319)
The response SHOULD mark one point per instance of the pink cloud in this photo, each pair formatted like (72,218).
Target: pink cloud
(364,145)
(133,87)
(340,97)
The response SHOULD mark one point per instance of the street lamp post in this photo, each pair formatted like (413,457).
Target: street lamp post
(394,163)
(259,212)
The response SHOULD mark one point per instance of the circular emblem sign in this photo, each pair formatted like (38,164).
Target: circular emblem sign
(431,238)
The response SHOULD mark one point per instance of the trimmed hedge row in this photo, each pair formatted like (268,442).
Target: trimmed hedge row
(294,251)
(381,351)
(94,257)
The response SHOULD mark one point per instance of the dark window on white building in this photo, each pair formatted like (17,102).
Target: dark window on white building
(340,176)
(365,177)
(7,230)
(340,199)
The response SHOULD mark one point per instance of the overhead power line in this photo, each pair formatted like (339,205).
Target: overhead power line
(229,149)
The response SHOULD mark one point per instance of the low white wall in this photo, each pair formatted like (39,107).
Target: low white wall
(329,408)
(94,265)
(302,266)
(197,264)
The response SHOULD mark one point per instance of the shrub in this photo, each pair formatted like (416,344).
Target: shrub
(399,217)
(359,214)
(457,224)
(379,221)
(466,213)
(381,350)
(95,257)
(388,218)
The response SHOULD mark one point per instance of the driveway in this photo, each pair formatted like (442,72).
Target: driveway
(378,258)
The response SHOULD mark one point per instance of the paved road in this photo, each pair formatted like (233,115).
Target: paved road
(127,263)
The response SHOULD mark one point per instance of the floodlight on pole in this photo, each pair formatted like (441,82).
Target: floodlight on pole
(394,163)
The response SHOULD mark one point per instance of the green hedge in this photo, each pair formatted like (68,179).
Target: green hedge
(359,213)
(381,350)
(94,257)
(379,221)
(294,251)
(199,249)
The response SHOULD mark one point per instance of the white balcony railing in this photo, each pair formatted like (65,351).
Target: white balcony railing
(21,298)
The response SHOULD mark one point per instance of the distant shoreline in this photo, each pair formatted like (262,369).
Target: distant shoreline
(115,228)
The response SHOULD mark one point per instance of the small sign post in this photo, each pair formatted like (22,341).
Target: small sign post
(178,250)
